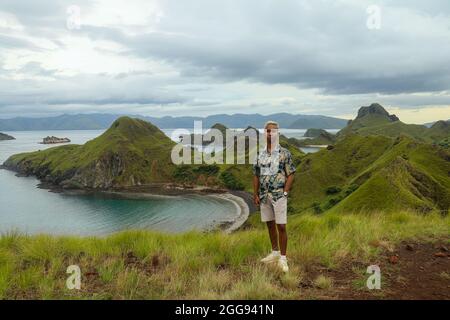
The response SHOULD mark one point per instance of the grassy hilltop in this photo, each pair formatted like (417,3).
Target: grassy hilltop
(149,265)
(378,163)
(375,120)
(374,173)
(130,152)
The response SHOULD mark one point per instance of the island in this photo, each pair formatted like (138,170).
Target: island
(54,140)
(4,136)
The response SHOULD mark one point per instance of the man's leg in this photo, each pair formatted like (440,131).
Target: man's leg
(268,216)
(282,234)
(271,226)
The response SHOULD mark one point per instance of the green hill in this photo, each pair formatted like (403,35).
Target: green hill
(313,132)
(439,132)
(317,137)
(374,173)
(219,127)
(130,152)
(377,163)
(375,120)
(204,138)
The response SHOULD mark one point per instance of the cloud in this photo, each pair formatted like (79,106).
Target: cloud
(326,45)
(86,89)
(7,42)
(206,57)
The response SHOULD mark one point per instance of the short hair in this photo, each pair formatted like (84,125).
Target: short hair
(268,123)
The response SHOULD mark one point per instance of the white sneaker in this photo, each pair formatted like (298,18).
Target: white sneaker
(272,257)
(282,263)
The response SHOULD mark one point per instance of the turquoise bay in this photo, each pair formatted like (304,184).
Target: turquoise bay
(28,209)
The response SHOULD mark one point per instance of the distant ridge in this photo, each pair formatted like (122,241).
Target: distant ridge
(375,120)
(430,124)
(96,121)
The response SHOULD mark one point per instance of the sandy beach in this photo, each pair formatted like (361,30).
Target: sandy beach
(242,210)
(240,199)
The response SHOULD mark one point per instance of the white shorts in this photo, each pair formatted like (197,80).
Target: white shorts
(274,210)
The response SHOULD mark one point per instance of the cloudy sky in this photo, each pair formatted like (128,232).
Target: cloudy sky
(201,57)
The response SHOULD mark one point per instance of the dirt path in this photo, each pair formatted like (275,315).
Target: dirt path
(412,270)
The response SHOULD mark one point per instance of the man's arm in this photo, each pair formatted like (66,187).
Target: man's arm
(290,170)
(256,190)
(289,182)
(256,173)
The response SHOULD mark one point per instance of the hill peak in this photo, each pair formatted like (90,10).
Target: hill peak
(441,124)
(127,121)
(133,126)
(314,133)
(222,128)
(375,108)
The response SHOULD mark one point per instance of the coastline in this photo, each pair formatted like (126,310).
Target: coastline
(242,210)
(240,199)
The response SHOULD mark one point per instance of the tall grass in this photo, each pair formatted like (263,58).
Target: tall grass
(150,265)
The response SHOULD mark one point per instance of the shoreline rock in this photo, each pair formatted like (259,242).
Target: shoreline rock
(54,140)
(4,136)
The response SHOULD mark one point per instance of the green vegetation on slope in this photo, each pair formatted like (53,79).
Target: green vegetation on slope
(375,120)
(147,265)
(374,173)
(361,172)
(313,132)
(318,137)
(439,133)
(130,152)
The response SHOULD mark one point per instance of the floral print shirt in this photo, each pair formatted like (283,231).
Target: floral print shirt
(273,168)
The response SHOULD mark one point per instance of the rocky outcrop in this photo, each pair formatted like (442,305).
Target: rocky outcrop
(316,137)
(374,119)
(4,136)
(192,138)
(375,108)
(54,140)
(314,133)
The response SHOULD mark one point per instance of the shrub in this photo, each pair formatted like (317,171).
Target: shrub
(189,173)
(350,189)
(183,173)
(323,282)
(316,207)
(207,169)
(230,181)
(333,190)
(332,202)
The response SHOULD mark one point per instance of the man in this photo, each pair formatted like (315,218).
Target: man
(273,177)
